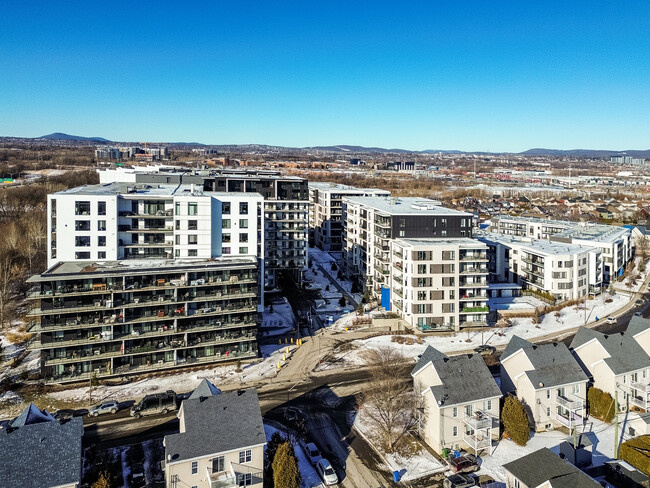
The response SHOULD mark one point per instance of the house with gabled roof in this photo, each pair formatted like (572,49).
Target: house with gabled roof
(615,362)
(544,469)
(38,451)
(220,443)
(548,380)
(459,401)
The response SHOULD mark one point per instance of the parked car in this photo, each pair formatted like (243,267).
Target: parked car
(67,414)
(293,414)
(460,481)
(485,350)
(107,406)
(611,320)
(638,314)
(313,453)
(326,472)
(464,464)
(158,403)
(639,302)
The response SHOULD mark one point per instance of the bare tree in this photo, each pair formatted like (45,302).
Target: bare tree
(11,271)
(390,403)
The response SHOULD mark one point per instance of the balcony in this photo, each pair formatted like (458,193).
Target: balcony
(473,270)
(475,310)
(570,402)
(479,420)
(478,441)
(569,420)
(475,297)
(473,257)
(534,260)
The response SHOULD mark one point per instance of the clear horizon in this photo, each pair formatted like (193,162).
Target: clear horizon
(464,76)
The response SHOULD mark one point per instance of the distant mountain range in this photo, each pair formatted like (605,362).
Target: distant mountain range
(348,149)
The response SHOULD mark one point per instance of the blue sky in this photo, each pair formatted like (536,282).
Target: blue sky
(469,75)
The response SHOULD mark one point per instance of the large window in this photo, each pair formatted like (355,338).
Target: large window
(218,464)
(243,237)
(245,479)
(101,225)
(101,241)
(192,239)
(243,208)
(243,223)
(195,467)
(225,208)
(225,224)
(82,241)
(101,208)
(101,255)
(245,456)
(243,250)
(82,208)
(82,255)
(192,208)
(82,225)
(192,253)
(225,237)
(192,224)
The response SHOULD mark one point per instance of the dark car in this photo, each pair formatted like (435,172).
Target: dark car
(464,464)
(485,350)
(460,481)
(67,414)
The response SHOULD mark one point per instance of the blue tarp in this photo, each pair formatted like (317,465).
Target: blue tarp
(385,298)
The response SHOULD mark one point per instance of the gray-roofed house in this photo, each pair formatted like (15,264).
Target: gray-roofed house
(205,389)
(460,401)
(544,469)
(615,362)
(40,452)
(220,443)
(549,381)
(639,328)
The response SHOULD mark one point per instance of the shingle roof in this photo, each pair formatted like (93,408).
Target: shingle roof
(625,353)
(41,455)
(429,354)
(637,324)
(465,378)
(553,364)
(31,415)
(219,423)
(540,466)
(205,389)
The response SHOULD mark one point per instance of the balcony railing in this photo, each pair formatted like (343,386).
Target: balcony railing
(475,310)
(640,387)
(570,402)
(570,420)
(478,441)
(473,257)
(479,420)
(469,270)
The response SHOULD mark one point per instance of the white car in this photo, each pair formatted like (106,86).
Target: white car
(313,453)
(611,320)
(326,472)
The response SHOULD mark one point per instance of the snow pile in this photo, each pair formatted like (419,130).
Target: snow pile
(10,398)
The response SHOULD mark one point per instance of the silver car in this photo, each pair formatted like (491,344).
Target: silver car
(326,472)
(107,406)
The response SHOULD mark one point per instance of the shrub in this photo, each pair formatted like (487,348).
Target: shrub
(601,404)
(637,452)
(285,468)
(515,420)
(536,317)
(103,481)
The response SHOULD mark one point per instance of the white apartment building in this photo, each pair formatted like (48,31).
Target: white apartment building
(372,223)
(615,243)
(439,283)
(141,221)
(565,271)
(326,211)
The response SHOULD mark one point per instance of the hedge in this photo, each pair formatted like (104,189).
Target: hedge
(637,452)
(601,404)
(515,420)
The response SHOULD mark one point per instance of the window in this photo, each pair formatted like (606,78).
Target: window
(422,295)
(243,223)
(192,208)
(243,237)
(245,456)
(101,255)
(548,411)
(177,253)
(454,412)
(225,224)
(225,208)
(192,225)
(178,208)
(101,225)
(487,405)
(218,464)
(575,389)
(454,432)
(178,225)
(245,479)
(82,225)
(225,250)
(422,268)
(443,222)
(195,467)
(192,239)
(192,253)
(82,208)
(101,241)
(243,250)
(243,208)
(82,241)
(178,240)
(82,255)
(548,394)
(101,208)
(469,410)
(225,237)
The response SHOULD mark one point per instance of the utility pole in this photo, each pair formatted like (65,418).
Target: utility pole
(616,423)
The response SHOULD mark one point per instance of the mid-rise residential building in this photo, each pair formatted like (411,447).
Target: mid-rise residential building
(565,271)
(545,469)
(459,402)
(438,283)
(286,207)
(114,318)
(548,380)
(372,223)
(220,443)
(41,452)
(616,363)
(326,212)
(615,243)
(626,160)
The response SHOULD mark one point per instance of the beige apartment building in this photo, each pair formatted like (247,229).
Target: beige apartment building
(548,380)
(439,283)
(220,443)
(459,402)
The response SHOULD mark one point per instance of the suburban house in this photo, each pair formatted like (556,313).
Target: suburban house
(40,452)
(460,401)
(548,380)
(544,469)
(615,362)
(220,443)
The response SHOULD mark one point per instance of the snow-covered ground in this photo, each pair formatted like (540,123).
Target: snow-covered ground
(569,318)
(280,321)
(516,304)
(321,281)
(310,478)
(638,283)
(416,465)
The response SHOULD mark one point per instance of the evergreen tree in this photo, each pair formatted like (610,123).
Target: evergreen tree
(285,467)
(515,420)
(104,481)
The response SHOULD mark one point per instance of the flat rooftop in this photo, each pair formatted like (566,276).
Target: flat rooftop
(460,241)
(88,269)
(407,206)
(535,246)
(148,190)
(325,186)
